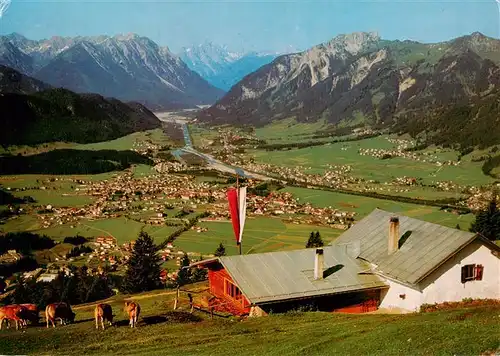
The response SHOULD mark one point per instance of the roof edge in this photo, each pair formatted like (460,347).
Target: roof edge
(205,262)
(475,237)
(394,279)
(321,295)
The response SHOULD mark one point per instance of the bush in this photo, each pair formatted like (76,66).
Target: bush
(27,263)
(80,287)
(24,242)
(77,251)
(466,302)
(75,240)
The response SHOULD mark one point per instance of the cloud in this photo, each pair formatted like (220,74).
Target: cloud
(4,5)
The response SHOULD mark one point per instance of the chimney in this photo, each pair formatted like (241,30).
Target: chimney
(393,235)
(318,264)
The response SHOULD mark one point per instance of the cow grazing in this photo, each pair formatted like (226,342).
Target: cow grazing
(31,313)
(103,312)
(13,312)
(133,309)
(60,311)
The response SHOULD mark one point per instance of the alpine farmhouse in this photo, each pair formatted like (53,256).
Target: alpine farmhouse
(384,261)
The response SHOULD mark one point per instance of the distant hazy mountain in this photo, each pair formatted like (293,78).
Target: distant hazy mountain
(127,67)
(360,79)
(30,116)
(220,66)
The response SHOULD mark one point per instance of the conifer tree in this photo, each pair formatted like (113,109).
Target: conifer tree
(314,240)
(143,267)
(184,275)
(220,251)
(487,222)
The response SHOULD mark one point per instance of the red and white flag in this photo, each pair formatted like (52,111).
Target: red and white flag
(237,199)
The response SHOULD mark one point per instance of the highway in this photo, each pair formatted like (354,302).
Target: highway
(178,118)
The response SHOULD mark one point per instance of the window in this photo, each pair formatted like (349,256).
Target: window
(231,290)
(472,273)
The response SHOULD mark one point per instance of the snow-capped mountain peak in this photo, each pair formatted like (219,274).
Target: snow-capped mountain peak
(221,66)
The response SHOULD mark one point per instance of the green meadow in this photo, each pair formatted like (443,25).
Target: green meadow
(289,130)
(128,142)
(317,158)
(261,234)
(123,229)
(365,205)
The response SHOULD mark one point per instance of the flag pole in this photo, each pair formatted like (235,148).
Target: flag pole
(238,192)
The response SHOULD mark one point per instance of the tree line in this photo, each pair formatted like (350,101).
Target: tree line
(68,161)
(299,145)
(59,115)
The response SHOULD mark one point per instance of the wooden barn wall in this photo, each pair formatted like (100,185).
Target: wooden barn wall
(216,279)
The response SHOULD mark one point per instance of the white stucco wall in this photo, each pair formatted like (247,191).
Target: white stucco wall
(444,284)
(390,299)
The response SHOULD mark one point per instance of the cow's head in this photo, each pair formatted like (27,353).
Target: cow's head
(72,317)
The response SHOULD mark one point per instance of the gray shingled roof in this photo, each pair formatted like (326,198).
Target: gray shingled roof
(428,246)
(274,276)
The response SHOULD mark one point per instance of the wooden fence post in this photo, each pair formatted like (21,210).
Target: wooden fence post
(176,299)
(191,302)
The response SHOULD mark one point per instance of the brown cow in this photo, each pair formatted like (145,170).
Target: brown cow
(31,313)
(13,312)
(103,312)
(60,311)
(133,309)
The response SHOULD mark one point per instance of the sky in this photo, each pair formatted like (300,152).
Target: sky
(252,25)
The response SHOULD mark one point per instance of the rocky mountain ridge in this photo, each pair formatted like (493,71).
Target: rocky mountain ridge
(360,79)
(128,67)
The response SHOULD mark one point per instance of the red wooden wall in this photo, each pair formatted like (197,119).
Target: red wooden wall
(369,304)
(216,279)
(357,302)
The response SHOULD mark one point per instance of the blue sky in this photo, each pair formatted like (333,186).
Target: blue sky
(252,25)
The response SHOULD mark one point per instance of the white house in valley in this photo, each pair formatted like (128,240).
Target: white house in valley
(383,261)
(423,263)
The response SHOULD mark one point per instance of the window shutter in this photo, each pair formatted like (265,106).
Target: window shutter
(464,273)
(479,272)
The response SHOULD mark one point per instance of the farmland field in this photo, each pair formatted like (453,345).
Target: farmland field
(123,229)
(128,142)
(371,168)
(260,235)
(365,205)
(295,131)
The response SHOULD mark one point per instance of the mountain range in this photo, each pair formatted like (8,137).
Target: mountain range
(34,113)
(127,67)
(222,67)
(360,79)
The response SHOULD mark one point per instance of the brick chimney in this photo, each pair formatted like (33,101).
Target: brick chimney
(393,235)
(318,264)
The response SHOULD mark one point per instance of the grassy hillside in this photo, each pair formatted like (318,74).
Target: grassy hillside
(67,161)
(61,115)
(466,331)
